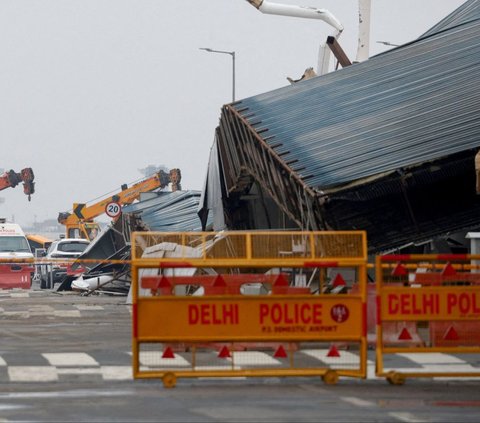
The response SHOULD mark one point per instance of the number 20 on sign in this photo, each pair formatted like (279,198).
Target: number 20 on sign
(113,209)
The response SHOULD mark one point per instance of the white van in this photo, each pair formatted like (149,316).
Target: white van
(14,245)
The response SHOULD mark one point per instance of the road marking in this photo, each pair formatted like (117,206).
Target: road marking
(213,378)
(116,372)
(40,313)
(11,407)
(475,376)
(437,363)
(440,368)
(358,402)
(346,359)
(227,366)
(21,314)
(19,295)
(89,307)
(84,364)
(84,371)
(371,371)
(70,359)
(32,374)
(154,359)
(67,313)
(432,358)
(41,307)
(254,412)
(242,358)
(75,393)
(41,310)
(407,417)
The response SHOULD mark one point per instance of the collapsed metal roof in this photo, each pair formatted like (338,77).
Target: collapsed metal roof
(341,150)
(418,103)
(168,211)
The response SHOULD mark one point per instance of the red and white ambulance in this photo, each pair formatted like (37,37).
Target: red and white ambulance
(16,258)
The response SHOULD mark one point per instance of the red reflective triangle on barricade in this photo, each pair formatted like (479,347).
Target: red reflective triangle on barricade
(280,280)
(219,281)
(224,353)
(404,335)
(280,353)
(451,334)
(338,281)
(448,270)
(168,353)
(399,270)
(333,352)
(164,283)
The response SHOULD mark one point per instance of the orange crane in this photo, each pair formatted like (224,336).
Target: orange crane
(11,179)
(81,224)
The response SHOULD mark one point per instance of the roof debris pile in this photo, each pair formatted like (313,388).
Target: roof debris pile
(103,267)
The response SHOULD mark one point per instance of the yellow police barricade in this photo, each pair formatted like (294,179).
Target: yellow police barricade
(428,306)
(241,304)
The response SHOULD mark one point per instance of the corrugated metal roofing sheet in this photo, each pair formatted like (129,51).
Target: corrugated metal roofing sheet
(169,211)
(468,11)
(416,103)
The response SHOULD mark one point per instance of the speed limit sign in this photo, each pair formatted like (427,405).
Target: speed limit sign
(113,209)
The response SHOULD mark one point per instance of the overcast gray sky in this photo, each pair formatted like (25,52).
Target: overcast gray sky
(94,90)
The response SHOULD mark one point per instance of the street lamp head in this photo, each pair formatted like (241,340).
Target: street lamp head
(211,50)
(388,43)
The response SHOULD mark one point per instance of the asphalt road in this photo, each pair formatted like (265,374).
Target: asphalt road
(65,357)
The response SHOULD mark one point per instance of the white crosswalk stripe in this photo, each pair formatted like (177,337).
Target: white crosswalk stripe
(80,364)
(432,358)
(245,358)
(32,374)
(70,359)
(155,359)
(347,358)
(88,307)
(116,372)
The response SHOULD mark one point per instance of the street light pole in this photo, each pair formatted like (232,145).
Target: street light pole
(231,53)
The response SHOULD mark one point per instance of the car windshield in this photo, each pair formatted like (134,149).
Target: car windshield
(16,244)
(72,247)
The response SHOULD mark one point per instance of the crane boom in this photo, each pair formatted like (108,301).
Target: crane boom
(80,223)
(11,179)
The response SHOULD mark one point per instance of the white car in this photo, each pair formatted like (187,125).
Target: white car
(67,248)
(14,245)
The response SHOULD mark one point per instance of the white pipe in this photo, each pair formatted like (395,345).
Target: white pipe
(81,284)
(304,12)
(300,12)
(324,54)
(363,50)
